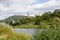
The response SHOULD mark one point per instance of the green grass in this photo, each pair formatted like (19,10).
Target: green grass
(26,26)
(6,30)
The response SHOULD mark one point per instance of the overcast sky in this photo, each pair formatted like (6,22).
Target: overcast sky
(21,7)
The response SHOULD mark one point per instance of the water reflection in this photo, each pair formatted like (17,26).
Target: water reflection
(28,31)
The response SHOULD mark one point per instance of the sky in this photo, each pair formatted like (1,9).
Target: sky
(21,7)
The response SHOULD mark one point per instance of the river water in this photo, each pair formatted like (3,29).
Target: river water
(25,31)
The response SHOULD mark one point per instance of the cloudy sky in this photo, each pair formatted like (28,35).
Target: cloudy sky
(21,7)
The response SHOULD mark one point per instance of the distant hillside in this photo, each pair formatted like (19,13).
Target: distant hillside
(47,20)
(14,17)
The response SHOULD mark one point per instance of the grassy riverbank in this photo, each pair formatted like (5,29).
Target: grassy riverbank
(6,33)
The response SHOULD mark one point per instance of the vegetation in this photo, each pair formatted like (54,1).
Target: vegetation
(13,18)
(48,26)
(47,34)
(6,33)
(47,20)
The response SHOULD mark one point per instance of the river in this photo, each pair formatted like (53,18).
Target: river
(27,31)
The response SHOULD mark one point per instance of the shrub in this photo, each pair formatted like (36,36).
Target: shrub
(47,34)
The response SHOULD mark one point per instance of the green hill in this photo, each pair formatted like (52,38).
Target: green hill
(47,20)
(14,17)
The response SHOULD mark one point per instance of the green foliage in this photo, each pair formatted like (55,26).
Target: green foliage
(45,21)
(14,17)
(26,20)
(37,20)
(27,26)
(48,24)
(14,23)
(57,13)
(47,34)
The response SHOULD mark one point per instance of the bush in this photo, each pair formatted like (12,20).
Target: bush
(47,34)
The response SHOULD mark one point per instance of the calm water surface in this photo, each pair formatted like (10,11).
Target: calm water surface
(28,31)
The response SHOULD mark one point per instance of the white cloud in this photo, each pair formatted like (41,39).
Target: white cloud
(25,5)
(20,5)
(17,5)
(18,8)
(10,6)
(47,6)
(2,8)
(21,2)
(50,3)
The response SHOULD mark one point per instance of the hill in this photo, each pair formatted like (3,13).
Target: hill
(47,20)
(14,17)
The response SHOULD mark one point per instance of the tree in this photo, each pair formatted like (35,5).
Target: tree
(14,23)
